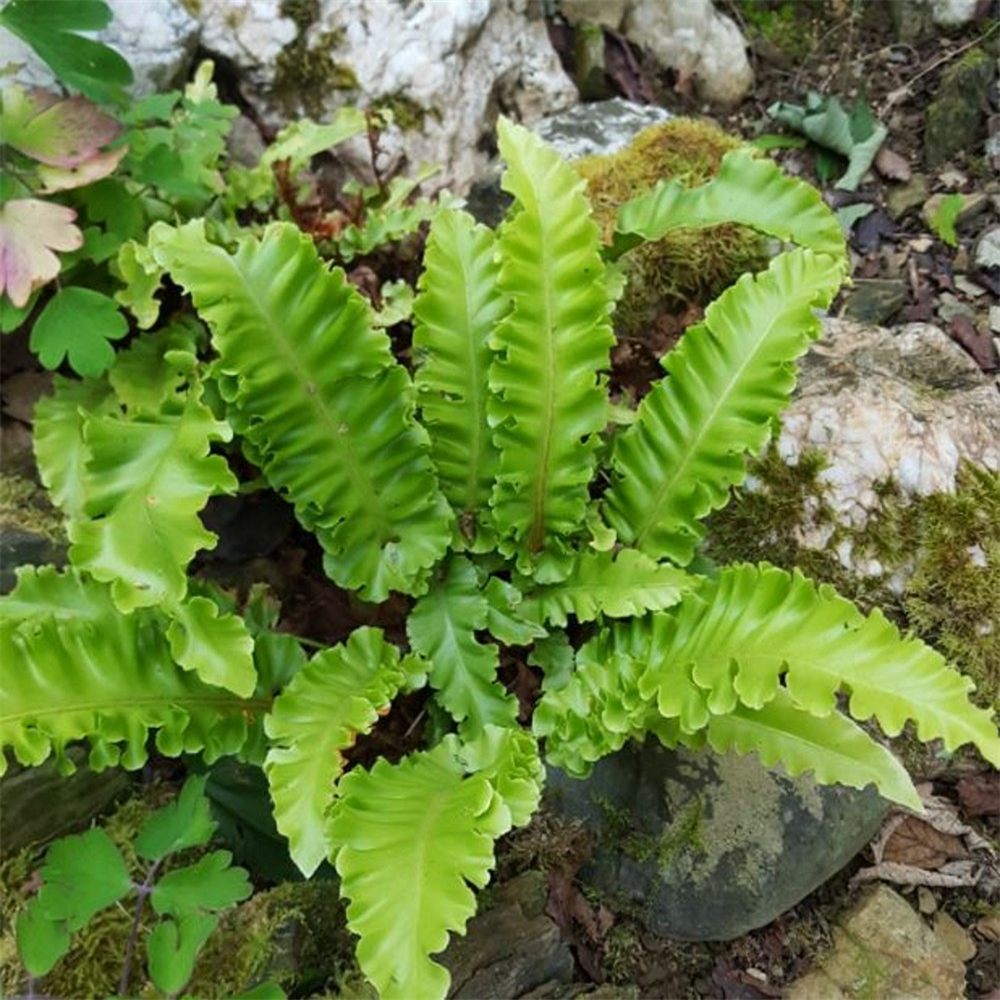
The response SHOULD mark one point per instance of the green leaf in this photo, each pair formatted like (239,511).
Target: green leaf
(60,451)
(78,324)
(81,876)
(944,219)
(729,377)
(320,401)
(749,190)
(338,695)
(832,747)
(173,947)
(262,991)
(150,379)
(142,277)
(442,629)
(76,668)
(184,822)
(549,405)
(83,64)
(210,884)
(218,648)
(756,631)
(40,942)
(408,875)
(509,758)
(146,481)
(505,617)
(602,583)
(455,312)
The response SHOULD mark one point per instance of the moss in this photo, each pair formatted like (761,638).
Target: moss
(790,27)
(408,114)
(25,505)
(948,544)
(305,73)
(684,833)
(686,266)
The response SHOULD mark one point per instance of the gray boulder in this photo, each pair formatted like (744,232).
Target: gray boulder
(705,847)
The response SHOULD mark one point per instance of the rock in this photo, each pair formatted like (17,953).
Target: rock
(907,196)
(916,19)
(39,804)
(692,37)
(987,252)
(157,37)
(903,405)
(882,948)
(590,75)
(444,69)
(875,300)
(583,130)
(955,117)
(706,847)
(955,936)
(510,948)
(951,306)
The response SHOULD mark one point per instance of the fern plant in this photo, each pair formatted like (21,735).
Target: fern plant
(491,487)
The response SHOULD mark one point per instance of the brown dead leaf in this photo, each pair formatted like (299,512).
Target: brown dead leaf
(918,844)
(584,926)
(979,794)
(891,165)
(976,342)
(22,391)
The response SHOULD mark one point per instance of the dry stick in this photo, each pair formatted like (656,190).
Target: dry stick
(900,92)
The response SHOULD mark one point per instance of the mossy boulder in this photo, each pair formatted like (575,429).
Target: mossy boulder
(688,267)
(956,116)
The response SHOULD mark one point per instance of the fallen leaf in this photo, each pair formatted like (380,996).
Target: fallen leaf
(869,232)
(979,794)
(917,843)
(983,350)
(29,231)
(891,165)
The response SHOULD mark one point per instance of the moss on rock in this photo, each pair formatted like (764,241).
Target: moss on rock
(688,265)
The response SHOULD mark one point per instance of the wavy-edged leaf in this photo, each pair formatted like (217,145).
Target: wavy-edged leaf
(550,404)
(456,309)
(150,377)
(442,627)
(184,822)
(218,648)
(832,747)
(757,630)
(505,618)
(727,380)
(338,695)
(75,667)
(146,480)
(408,840)
(315,392)
(60,452)
(509,758)
(748,189)
(602,583)
(596,711)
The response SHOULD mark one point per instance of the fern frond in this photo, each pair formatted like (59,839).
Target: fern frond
(316,394)
(75,668)
(442,628)
(748,189)
(832,747)
(602,583)
(60,452)
(727,379)
(758,630)
(338,695)
(407,874)
(550,404)
(145,482)
(456,308)
(217,647)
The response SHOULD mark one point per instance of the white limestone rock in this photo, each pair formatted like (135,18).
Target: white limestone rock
(156,37)
(691,36)
(906,405)
(460,63)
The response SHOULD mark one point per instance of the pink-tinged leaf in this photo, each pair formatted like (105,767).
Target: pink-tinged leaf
(97,167)
(60,133)
(29,231)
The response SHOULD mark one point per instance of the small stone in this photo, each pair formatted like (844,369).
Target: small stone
(967,287)
(955,936)
(926,902)
(987,253)
(995,319)
(989,927)
(952,179)
(875,300)
(921,244)
(912,194)
(949,307)
(883,948)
